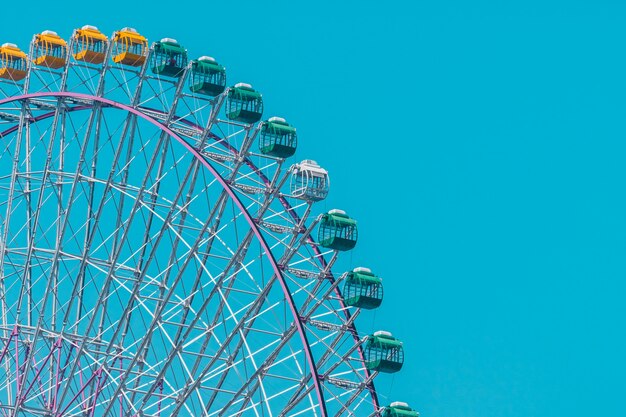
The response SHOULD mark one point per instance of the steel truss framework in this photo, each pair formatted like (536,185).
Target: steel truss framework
(153,264)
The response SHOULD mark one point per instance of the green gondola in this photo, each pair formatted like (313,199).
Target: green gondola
(277,138)
(244,104)
(399,409)
(337,231)
(363,289)
(168,58)
(207,77)
(383,353)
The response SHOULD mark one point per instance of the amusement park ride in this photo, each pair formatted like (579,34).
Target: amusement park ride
(158,256)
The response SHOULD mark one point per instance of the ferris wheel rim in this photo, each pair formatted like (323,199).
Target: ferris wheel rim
(227,188)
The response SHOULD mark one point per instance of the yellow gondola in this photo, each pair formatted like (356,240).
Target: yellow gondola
(89,45)
(49,50)
(130,48)
(12,62)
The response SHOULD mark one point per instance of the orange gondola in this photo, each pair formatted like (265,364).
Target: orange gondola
(89,45)
(13,64)
(130,48)
(49,50)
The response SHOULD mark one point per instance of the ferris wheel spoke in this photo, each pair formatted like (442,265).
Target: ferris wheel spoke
(304,391)
(332,346)
(306,315)
(214,219)
(197,110)
(164,298)
(210,228)
(10,88)
(357,391)
(255,378)
(85,80)
(311,295)
(153,196)
(124,171)
(72,193)
(288,335)
(306,378)
(33,220)
(207,300)
(217,315)
(342,359)
(190,326)
(268,361)
(266,366)
(251,312)
(60,229)
(160,169)
(131,126)
(118,249)
(40,78)
(121,82)
(95,117)
(348,320)
(243,328)
(215,109)
(5,225)
(191,177)
(27,284)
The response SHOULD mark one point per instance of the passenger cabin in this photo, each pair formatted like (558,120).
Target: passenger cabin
(13,62)
(278,138)
(168,58)
(244,104)
(89,45)
(337,231)
(207,77)
(383,353)
(363,289)
(309,181)
(129,47)
(49,50)
(399,409)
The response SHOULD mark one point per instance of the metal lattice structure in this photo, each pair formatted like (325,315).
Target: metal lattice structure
(152,261)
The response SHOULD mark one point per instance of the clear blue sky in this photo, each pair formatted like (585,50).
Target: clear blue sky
(481,146)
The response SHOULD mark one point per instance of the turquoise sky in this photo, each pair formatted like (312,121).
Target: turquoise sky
(481,147)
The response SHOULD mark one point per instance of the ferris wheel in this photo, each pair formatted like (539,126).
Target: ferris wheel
(159,256)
